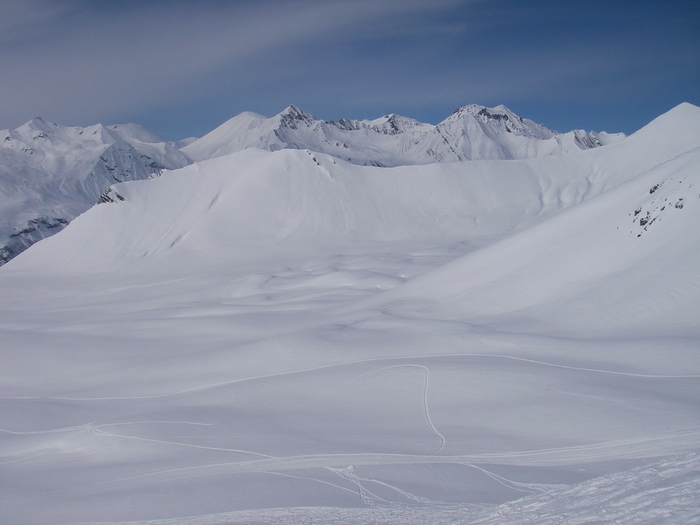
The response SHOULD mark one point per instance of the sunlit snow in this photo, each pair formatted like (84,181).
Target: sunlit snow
(287,337)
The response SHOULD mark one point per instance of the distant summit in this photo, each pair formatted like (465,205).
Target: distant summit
(504,119)
(294,118)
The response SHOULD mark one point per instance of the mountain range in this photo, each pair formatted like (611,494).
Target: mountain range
(471,133)
(49,173)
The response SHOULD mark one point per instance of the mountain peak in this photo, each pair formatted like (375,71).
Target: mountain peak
(500,117)
(39,124)
(292,117)
(393,124)
(292,109)
(294,112)
(55,173)
(484,113)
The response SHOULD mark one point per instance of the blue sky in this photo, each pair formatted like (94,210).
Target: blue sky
(182,67)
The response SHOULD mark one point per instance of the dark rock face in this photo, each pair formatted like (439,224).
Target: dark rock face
(34,231)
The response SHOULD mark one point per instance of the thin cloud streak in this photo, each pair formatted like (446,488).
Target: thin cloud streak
(24,19)
(180,67)
(89,65)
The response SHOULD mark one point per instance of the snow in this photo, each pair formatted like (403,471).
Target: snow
(49,174)
(286,337)
(471,133)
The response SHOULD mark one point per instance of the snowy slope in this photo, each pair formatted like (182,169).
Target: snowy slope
(622,252)
(49,174)
(286,337)
(471,133)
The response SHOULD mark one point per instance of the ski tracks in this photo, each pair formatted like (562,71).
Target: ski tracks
(371,499)
(409,358)
(426,409)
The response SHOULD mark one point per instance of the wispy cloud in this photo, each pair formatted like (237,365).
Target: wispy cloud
(22,19)
(81,61)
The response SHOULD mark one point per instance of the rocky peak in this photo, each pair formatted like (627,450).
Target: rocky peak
(292,117)
(502,118)
(393,126)
(346,124)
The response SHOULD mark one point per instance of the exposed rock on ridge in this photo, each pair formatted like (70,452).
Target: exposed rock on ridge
(472,132)
(49,174)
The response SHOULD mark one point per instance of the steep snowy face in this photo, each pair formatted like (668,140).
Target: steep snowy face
(50,173)
(476,132)
(500,118)
(294,118)
(471,133)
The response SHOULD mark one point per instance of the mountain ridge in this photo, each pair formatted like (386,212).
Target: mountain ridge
(471,132)
(51,173)
(309,194)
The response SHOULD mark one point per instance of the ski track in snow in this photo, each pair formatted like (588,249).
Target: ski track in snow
(681,440)
(425,403)
(529,488)
(656,446)
(350,474)
(425,394)
(339,487)
(368,497)
(582,453)
(96,430)
(359,362)
(663,491)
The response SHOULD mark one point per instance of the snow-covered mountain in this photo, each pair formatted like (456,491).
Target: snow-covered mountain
(284,336)
(471,133)
(49,174)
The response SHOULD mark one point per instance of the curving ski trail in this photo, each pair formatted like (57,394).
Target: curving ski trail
(355,363)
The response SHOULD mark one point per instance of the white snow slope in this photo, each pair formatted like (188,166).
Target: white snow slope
(49,174)
(285,337)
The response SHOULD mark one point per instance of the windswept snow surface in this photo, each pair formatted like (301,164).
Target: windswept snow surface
(285,337)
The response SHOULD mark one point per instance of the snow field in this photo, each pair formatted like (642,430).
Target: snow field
(265,337)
